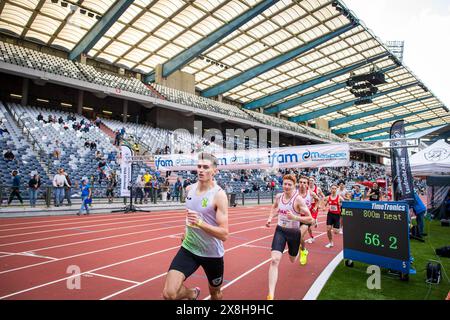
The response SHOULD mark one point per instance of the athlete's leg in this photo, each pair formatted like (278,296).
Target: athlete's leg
(329,233)
(303,229)
(215,292)
(174,288)
(273,271)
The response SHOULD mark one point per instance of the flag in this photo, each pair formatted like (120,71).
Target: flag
(402,179)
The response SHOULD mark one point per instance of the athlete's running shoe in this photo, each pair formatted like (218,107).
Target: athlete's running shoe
(310,240)
(329,245)
(303,257)
(269,297)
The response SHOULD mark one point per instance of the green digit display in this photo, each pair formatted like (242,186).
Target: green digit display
(374,240)
(394,242)
(368,239)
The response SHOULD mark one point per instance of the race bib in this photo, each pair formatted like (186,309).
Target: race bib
(333,208)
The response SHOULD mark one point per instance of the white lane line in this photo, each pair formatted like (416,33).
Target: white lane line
(80,223)
(107,217)
(111,277)
(163,274)
(120,219)
(85,226)
(246,273)
(260,247)
(109,266)
(94,231)
(106,249)
(26,254)
(320,282)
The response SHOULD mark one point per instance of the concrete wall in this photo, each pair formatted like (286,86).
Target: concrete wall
(169,119)
(178,80)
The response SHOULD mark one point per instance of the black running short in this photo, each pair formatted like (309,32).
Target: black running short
(187,263)
(334,220)
(289,236)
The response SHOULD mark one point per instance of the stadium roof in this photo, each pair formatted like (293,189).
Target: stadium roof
(288,57)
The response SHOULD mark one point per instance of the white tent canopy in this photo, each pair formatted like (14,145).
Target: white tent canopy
(432,161)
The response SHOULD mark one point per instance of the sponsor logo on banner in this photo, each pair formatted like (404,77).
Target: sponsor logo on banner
(126,156)
(293,157)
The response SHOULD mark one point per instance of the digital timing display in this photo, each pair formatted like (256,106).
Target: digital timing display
(378,228)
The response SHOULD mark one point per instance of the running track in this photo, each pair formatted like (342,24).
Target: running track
(126,257)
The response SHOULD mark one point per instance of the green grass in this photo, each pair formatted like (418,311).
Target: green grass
(350,283)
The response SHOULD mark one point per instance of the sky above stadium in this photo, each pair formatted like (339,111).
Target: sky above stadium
(424,25)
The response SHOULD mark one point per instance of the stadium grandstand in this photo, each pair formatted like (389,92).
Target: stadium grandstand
(81,80)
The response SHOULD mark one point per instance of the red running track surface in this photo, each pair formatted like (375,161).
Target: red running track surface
(127,256)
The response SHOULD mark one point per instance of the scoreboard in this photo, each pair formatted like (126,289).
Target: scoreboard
(377,233)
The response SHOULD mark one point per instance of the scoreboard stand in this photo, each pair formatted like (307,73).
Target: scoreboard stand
(377,233)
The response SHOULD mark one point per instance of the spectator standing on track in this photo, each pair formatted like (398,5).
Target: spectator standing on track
(67,189)
(59,181)
(86,196)
(112,184)
(177,189)
(34,184)
(206,230)
(15,189)
(139,189)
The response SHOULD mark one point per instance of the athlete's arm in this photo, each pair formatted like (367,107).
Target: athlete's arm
(273,210)
(300,206)
(221,231)
(184,233)
(316,200)
(320,192)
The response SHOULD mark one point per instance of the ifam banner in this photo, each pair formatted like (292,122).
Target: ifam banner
(317,156)
(401,171)
(125,170)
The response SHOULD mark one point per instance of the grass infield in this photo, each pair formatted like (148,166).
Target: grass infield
(350,283)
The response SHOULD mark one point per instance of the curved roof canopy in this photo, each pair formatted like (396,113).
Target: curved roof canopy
(289,57)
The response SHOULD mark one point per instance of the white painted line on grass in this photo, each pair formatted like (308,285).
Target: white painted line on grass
(320,282)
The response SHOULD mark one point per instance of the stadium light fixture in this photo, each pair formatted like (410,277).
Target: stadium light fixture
(18,96)
(42,100)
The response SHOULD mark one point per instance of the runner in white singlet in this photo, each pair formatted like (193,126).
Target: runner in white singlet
(291,211)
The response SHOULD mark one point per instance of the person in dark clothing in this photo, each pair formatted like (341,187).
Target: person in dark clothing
(87,144)
(9,156)
(419,210)
(177,189)
(148,191)
(60,120)
(93,145)
(374,193)
(68,189)
(112,183)
(34,184)
(15,190)
(40,117)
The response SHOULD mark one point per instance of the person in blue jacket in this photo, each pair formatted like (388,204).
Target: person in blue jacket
(419,209)
(86,196)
